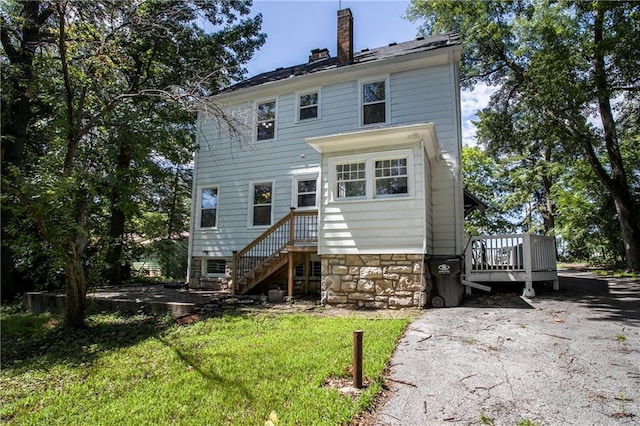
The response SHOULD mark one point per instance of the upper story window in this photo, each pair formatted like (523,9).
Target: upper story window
(266,120)
(305,192)
(209,208)
(371,176)
(261,212)
(374,99)
(351,180)
(308,105)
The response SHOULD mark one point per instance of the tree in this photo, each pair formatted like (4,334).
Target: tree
(567,62)
(105,66)
(484,177)
(20,39)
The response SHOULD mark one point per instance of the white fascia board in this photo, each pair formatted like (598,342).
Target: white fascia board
(377,138)
(340,74)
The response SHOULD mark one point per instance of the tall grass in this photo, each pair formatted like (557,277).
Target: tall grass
(236,369)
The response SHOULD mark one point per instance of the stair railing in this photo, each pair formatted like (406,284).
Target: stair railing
(294,228)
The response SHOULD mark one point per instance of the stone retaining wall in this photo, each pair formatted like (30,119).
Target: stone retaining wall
(373,281)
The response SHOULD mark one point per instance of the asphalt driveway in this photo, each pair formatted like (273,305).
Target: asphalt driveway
(570,357)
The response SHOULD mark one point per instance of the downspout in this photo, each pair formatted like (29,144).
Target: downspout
(456,168)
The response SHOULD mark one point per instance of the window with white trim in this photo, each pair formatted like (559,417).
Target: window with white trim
(215,267)
(374,100)
(305,193)
(266,120)
(391,177)
(308,105)
(351,180)
(372,176)
(262,198)
(209,207)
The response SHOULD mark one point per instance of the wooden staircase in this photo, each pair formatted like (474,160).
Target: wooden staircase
(277,251)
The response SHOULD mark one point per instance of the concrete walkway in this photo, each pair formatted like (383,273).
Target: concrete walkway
(562,358)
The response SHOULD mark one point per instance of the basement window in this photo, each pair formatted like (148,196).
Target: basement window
(215,267)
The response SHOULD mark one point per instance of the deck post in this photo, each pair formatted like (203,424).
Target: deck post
(528,266)
(234,272)
(307,272)
(292,225)
(290,275)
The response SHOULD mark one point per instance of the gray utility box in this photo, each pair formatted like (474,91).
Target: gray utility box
(447,285)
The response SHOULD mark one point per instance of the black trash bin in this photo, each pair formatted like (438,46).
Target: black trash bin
(447,285)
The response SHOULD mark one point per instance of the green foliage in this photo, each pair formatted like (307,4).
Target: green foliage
(171,254)
(108,93)
(236,369)
(483,177)
(566,96)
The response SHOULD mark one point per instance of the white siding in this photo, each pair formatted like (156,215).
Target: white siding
(417,96)
(380,226)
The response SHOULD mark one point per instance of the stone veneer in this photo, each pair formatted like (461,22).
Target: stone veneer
(198,281)
(373,281)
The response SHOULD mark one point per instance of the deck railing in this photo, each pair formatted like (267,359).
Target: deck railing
(296,228)
(526,258)
(511,252)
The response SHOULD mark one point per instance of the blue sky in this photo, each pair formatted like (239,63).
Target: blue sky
(295,27)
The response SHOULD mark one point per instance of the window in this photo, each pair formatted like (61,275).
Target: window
(266,120)
(209,208)
(374,99)
(391,177)
(314,270)
(351,180)
(371,176)
(261,206)
(305,191)
(215,266)
(308,106)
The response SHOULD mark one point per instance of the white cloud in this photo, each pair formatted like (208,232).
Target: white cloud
(471,102)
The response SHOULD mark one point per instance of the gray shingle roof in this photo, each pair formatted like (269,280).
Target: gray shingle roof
(420,44)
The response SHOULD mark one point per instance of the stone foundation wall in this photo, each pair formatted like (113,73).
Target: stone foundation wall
(199,281)
(389,281)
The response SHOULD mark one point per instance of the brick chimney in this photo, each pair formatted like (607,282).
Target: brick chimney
(345,37)
(317,54)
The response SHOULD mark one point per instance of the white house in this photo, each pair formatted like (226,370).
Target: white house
(345,169)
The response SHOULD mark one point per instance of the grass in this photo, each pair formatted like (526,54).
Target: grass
(486,420)
(603,271)
(236,369)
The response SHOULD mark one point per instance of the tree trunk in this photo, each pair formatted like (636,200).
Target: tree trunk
(617,184)
(119,195)
(76,289)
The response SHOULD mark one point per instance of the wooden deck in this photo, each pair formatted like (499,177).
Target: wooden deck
(511,258)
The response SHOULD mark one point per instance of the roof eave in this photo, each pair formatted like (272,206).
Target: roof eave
(336,74)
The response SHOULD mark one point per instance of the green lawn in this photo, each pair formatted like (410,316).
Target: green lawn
(236,369)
